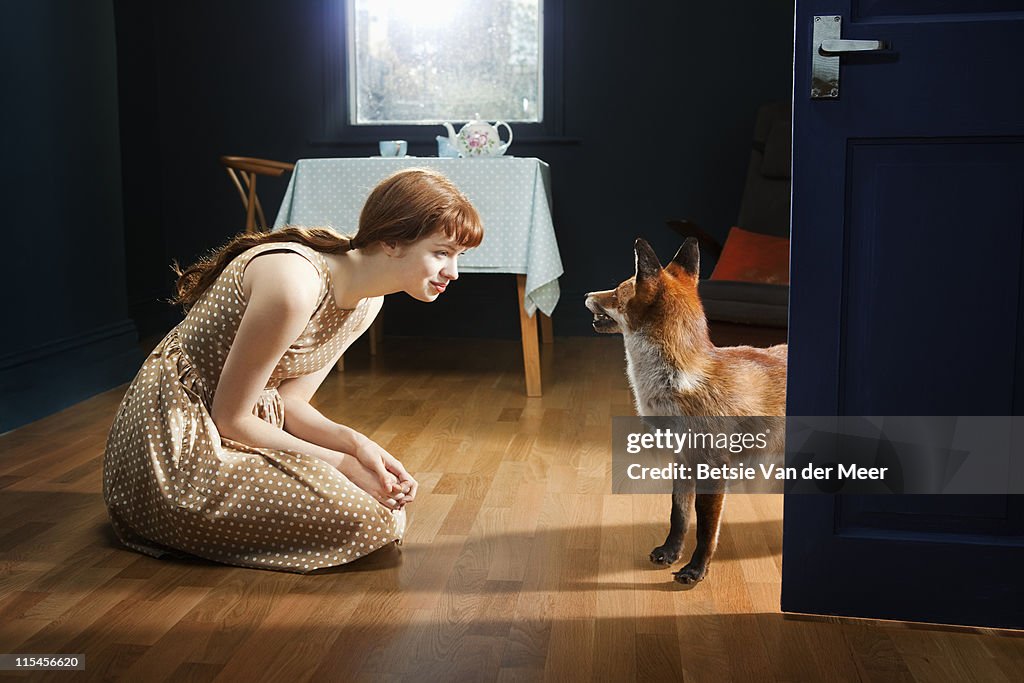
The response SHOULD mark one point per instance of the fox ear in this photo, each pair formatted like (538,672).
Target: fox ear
(688,257)
(647,264)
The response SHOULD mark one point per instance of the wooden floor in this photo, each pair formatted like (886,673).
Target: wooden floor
(518,565)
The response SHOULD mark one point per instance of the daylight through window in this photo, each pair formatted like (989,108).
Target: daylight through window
(424,61)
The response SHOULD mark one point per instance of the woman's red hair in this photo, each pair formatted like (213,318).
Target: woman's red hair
(404,207)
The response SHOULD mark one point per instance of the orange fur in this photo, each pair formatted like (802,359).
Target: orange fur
(665,310)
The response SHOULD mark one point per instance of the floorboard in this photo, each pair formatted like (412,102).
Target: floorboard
(519,563)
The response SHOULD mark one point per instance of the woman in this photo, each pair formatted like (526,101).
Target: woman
(216,450)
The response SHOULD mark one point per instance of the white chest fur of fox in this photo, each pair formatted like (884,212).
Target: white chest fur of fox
(654,382)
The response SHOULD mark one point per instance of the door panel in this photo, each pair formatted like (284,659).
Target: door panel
(906,281)
(933,235)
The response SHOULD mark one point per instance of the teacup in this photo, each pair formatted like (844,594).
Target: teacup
(393,148)
(445,149)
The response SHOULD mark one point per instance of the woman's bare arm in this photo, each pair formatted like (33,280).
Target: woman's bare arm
(306,422)
(282,290)
(282,293)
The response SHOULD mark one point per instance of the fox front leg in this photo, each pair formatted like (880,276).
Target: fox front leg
(679,520)
(709,519)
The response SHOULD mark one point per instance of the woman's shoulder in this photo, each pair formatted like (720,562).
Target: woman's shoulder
(282,252)
(310,254)
(284,271)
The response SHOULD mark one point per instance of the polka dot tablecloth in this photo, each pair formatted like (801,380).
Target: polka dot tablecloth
(512,195)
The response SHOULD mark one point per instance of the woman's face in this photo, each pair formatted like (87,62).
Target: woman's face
(428,265)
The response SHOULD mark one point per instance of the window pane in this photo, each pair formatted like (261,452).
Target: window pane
(424,61)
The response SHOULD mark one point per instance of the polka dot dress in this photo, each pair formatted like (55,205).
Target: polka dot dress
(172,485)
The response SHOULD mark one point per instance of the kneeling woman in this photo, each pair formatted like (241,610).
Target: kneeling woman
(216,450)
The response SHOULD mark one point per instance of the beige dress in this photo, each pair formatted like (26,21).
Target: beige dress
(172,485)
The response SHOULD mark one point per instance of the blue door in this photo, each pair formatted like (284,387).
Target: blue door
(906,295)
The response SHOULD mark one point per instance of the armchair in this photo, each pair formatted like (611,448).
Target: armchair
(746,293)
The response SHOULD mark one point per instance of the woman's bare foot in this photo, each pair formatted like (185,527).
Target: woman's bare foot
(390,497)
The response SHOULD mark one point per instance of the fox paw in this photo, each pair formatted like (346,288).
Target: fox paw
(664,555)
(690,574)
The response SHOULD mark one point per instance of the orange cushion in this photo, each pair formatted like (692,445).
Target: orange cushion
(753,257)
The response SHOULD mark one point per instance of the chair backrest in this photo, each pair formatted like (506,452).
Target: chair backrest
(764,207)
(243,172)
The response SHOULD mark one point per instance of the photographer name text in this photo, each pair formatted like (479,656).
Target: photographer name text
(741,472)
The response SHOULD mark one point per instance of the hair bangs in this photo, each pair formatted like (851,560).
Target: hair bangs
(461,224)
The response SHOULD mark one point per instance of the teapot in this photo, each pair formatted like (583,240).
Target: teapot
(479,139)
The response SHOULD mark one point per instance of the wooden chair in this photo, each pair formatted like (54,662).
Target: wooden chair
(243,172)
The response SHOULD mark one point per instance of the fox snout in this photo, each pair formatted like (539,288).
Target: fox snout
(607,318)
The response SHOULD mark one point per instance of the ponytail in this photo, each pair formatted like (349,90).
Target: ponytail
(198,277)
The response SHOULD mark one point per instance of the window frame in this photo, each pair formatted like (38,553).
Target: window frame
(338,130)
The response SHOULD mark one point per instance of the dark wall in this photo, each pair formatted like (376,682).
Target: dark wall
(117,111)
(67,332)
(660,102)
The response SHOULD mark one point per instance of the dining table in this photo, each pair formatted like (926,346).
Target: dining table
(511,194)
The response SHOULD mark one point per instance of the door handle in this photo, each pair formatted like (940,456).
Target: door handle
(839,47)
(827,46)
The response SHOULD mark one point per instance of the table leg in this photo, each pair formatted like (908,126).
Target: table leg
(547,334)
(531,352)
(376,334)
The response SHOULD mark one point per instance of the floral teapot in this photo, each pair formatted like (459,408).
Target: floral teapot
(479,139)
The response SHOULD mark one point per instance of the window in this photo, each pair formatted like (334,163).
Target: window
(425,61)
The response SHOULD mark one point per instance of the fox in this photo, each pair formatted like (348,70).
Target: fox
(674,369)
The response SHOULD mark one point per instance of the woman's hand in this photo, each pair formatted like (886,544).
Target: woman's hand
(361,476)
(405,480)
(391,474)
(365,463)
